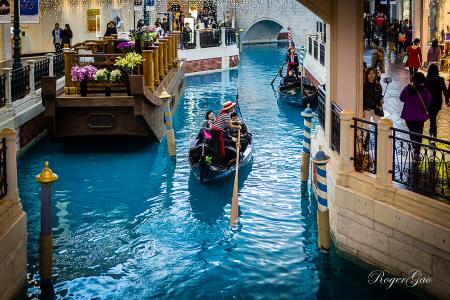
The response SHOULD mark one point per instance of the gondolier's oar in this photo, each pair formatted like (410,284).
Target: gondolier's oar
(278,72)
(234,200)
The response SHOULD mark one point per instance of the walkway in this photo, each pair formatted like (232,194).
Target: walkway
(393,106)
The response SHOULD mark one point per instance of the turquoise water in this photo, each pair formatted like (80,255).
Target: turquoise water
(130,223)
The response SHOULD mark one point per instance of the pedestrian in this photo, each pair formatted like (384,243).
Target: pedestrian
(377,61)
(111,28)
(391,38)
(414,60)
(165,25)
(57,38)
(436,86)
(186,38)
(369,28)
(434,54)
(372,96)
(415,98)
(67,36)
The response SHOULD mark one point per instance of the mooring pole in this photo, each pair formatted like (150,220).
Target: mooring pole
(307,115)
(170,134)
(323,218)
(46,179)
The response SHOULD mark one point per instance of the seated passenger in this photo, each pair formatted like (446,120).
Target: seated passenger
(210,118)
(290,78)
(246,136)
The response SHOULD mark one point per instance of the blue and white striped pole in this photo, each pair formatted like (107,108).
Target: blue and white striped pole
(307,115)
(323,218)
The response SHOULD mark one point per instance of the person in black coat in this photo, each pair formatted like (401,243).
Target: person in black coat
(436,86)
(111,29)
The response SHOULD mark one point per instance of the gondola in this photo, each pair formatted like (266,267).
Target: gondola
(295,95)
(205,166)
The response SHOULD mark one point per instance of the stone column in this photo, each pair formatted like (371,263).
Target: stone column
(384,153)
(32,79)
(5,42)
(11,164)
(346,141)
(197,39)
(222,36)
(8,90)
(50,64)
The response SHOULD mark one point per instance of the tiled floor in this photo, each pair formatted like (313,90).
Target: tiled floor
(393,106)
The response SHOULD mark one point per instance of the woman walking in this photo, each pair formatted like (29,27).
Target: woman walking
(67,36)
(415,98)
(372,100)
(434,54)
(436,85)
(414,61)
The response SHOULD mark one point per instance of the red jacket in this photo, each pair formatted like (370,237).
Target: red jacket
(414,57)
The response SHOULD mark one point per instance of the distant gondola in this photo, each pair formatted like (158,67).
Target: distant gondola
(204,165)
(293,93)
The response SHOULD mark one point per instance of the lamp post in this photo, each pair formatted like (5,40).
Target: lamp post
(16,64)
(170,134)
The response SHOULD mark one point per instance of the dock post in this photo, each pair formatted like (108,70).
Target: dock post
(169,51)
(166,55)
(170,134)
(46,179)
(148,69)
(156,65)
(323,217)
(69,57)
(307,115)
(161,60)
(175,48)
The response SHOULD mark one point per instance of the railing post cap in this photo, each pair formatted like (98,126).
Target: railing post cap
(46,176)
(8,132)
(385,123)
(31,61)
(347,114)
(320,157)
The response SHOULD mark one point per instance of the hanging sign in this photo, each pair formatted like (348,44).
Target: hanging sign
(5,11)
(29,11)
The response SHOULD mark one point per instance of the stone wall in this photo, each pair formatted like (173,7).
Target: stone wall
(388,227)
(202,65)
(32,129)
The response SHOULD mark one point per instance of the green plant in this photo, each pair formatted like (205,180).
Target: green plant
(102,75)
(115,75)
(129,62)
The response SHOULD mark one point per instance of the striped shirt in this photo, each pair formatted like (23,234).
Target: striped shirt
(222,121)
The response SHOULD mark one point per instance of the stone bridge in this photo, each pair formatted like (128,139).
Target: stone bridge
(263,20)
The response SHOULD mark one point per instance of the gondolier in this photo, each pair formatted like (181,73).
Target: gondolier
(292,61)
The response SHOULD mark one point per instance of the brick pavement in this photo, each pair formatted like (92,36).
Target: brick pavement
(393,106)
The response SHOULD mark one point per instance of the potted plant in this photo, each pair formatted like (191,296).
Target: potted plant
(82,75)
(129,62)
(126,47)
(103,75)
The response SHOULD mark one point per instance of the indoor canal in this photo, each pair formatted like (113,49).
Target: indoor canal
(131,223)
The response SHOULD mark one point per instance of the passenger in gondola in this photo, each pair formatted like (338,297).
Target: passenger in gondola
(292,60)
(246,136)
(204,136)
(219,130)
(289,79)
(210,118)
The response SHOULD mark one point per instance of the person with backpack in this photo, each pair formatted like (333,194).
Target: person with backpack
(377,61)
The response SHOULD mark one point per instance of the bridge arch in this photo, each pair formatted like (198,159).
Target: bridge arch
(263,30)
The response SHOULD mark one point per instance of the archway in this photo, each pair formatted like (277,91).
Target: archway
(263,31)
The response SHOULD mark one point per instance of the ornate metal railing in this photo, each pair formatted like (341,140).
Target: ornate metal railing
(322,54)
(2,90)
(3,182)
(310,45)
(321,100)
(422,163)
(185,42)
(20,83)
(230,36)
(365,145)
(41,69)
(316,49)
(58,65)
(210,38)
(335,127)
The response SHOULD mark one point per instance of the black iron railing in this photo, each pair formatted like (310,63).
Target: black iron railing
(316,50)
(20,83)
(230,36)
(365,145)
(335,127)
(58,65)
(210,38)
(310,45)
(422,163)
(321,100)
(3,181)
(2,90)
(322,54)
(187,40)
(41,69)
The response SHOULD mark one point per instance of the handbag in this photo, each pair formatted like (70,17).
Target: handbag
(405,59)
(421,100)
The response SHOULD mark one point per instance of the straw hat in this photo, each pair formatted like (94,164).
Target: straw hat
(227,105)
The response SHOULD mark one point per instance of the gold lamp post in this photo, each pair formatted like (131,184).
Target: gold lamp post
(166,98)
